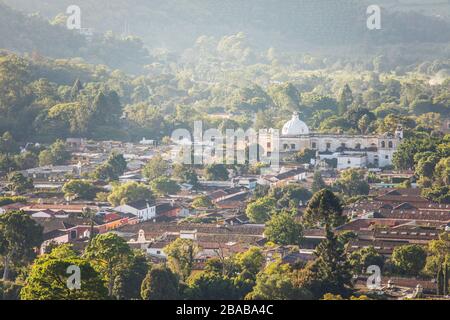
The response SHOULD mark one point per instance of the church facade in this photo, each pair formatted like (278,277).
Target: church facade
(350,151)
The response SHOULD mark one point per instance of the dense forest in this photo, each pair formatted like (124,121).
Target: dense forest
(39,37)
(55,83)
(291,24)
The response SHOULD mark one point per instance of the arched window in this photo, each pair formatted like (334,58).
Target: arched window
(383,144)
(391,145)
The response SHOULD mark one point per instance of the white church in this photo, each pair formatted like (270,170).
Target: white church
(350,151)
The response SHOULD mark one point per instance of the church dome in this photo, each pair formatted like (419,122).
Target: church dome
(295,127)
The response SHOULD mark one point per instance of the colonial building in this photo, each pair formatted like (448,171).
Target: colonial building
(350,150)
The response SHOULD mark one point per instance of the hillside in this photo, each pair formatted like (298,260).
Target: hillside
(291,24)
(35,35)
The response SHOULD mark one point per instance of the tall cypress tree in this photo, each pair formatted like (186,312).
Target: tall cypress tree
(345,99)
(332,265)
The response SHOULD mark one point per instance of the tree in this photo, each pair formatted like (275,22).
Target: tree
(160,284)
(185,174)
(202,202)
(164,186)
(127,285)
(324,208)
(426,165)
(241,268)
(352,183)
(49,277)
(259,210)
(364,123)
(438,262)
(8,144)
(439,194)
(305,156)
(409,259)
(18,183)
(180,257)
(81,189)
(216,172)
(361,259)
(56,154)
(332,266)
(208,285)
(108,253)
(155,168)
(275,283)
(318,182)
(403,158)
(112,168)
(290,196)
(130,192)
(118,163)
(345,99)
(282,229)
(19,236)
(76,88)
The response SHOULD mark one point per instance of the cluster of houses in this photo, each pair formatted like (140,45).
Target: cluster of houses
(388,218)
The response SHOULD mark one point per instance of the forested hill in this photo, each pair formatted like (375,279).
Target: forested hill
(33,34)
(286,24)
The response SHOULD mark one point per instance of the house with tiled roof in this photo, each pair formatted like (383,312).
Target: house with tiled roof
(144,210)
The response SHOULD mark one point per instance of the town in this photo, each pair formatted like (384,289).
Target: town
(137,192)
(254,151)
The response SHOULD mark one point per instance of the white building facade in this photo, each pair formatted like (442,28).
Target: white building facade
(350,151)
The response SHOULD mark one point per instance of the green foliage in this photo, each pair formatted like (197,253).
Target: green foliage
(130,192)
(56,154)
(290,196)
(19,236)
(160,284)
(361,259)
(438,262)
(185,174)
(180,257)
(259,211)
(318,182)
(285,96)
(48,278)
(275,283)
(164,186)
(112,168)
(202,202)
(18,183)
(409,259)
(155,168)
(324,208)
(352,182)
(345,99)
(216,172)
(10,200)
(108,253)
(81,189)
(332,266)
(210,286)
(127,284)
(9,290)
(404,157)
(8,144)
(283,229)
